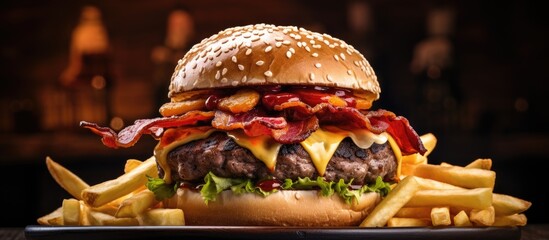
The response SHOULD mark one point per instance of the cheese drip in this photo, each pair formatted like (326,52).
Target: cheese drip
(161,152)
(262,147)
(321,145)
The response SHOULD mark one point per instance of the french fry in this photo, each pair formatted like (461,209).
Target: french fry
(414,212)
(71,212)
(52,218)
(440,216)
(445,164)
(103,219)
(66,179)
(163,216)
(481,163)
(507,205)
(459,176)
(510,220)
(105,192)
(478,198)
(408,222)
(430,184)
(429,142)
(131,164)
(483,217)
(390,205)
(462,220)
(136,204)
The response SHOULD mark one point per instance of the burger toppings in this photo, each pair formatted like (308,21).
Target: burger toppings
(214,185)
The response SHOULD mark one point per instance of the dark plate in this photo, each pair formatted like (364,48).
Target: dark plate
(235,232)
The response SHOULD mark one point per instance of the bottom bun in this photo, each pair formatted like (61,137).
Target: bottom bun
(283,208)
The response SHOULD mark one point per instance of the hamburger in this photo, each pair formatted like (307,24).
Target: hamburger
(272,125)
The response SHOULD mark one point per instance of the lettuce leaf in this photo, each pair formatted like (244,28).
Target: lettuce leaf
(213,185)
(160,188)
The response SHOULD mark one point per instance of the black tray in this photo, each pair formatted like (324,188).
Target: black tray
(237,232)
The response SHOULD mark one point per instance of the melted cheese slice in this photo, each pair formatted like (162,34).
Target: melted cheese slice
(184,136)
(322,144)
(264,148)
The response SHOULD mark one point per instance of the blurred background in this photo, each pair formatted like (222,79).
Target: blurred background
(474,73)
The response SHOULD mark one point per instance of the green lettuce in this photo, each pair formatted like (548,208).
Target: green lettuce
(213,185)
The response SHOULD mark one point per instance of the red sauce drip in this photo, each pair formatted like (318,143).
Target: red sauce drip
(271,100)
(269,185)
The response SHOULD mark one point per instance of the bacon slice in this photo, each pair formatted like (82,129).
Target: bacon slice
(257,122)
(155,126)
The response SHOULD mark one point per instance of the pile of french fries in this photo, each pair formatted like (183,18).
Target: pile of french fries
(446,195)
(427,195)
(124,201)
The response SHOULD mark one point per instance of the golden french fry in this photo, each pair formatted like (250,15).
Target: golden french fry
(109,208)
(430,184)
(481,163)
(407,169)
(408,222)
(508,205)
(131,164)
(477,198)
(459,176)
(510,220)
(414,212)
(483,217)
(105,192)
(103,219)
(429,142)
(462,220)
(52,218)
(414,159)
(71,212)
(66,179)
(390,205)
(440,216)
(136,204)
(164,217)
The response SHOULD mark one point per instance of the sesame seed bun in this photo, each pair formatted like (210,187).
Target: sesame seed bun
(282,208)
(267,54)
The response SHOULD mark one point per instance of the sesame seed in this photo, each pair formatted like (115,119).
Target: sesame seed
(349,72)
(312,41)
(268,74)
(299,44)
(240,67)
(288,54)
(292,50)
(218,64)
(311,76)
(317,46)
(318,65)
(224,80)
(234,59)
(314,54)
(234,83)
(286,42)
(278,44)
(249,51)
(279,38)
(244,79)
(224,71)
(329,77)
(326,42)
(336,57)
(268,49)
(342,56)
(307,48)
(259,63)
(356,63)
(217,75)
(194,65)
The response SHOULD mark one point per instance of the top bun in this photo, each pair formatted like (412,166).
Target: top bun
(267,54)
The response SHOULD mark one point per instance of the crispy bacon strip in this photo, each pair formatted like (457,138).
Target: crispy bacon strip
(155,126)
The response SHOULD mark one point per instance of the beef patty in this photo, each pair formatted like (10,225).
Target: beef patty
(222,156)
